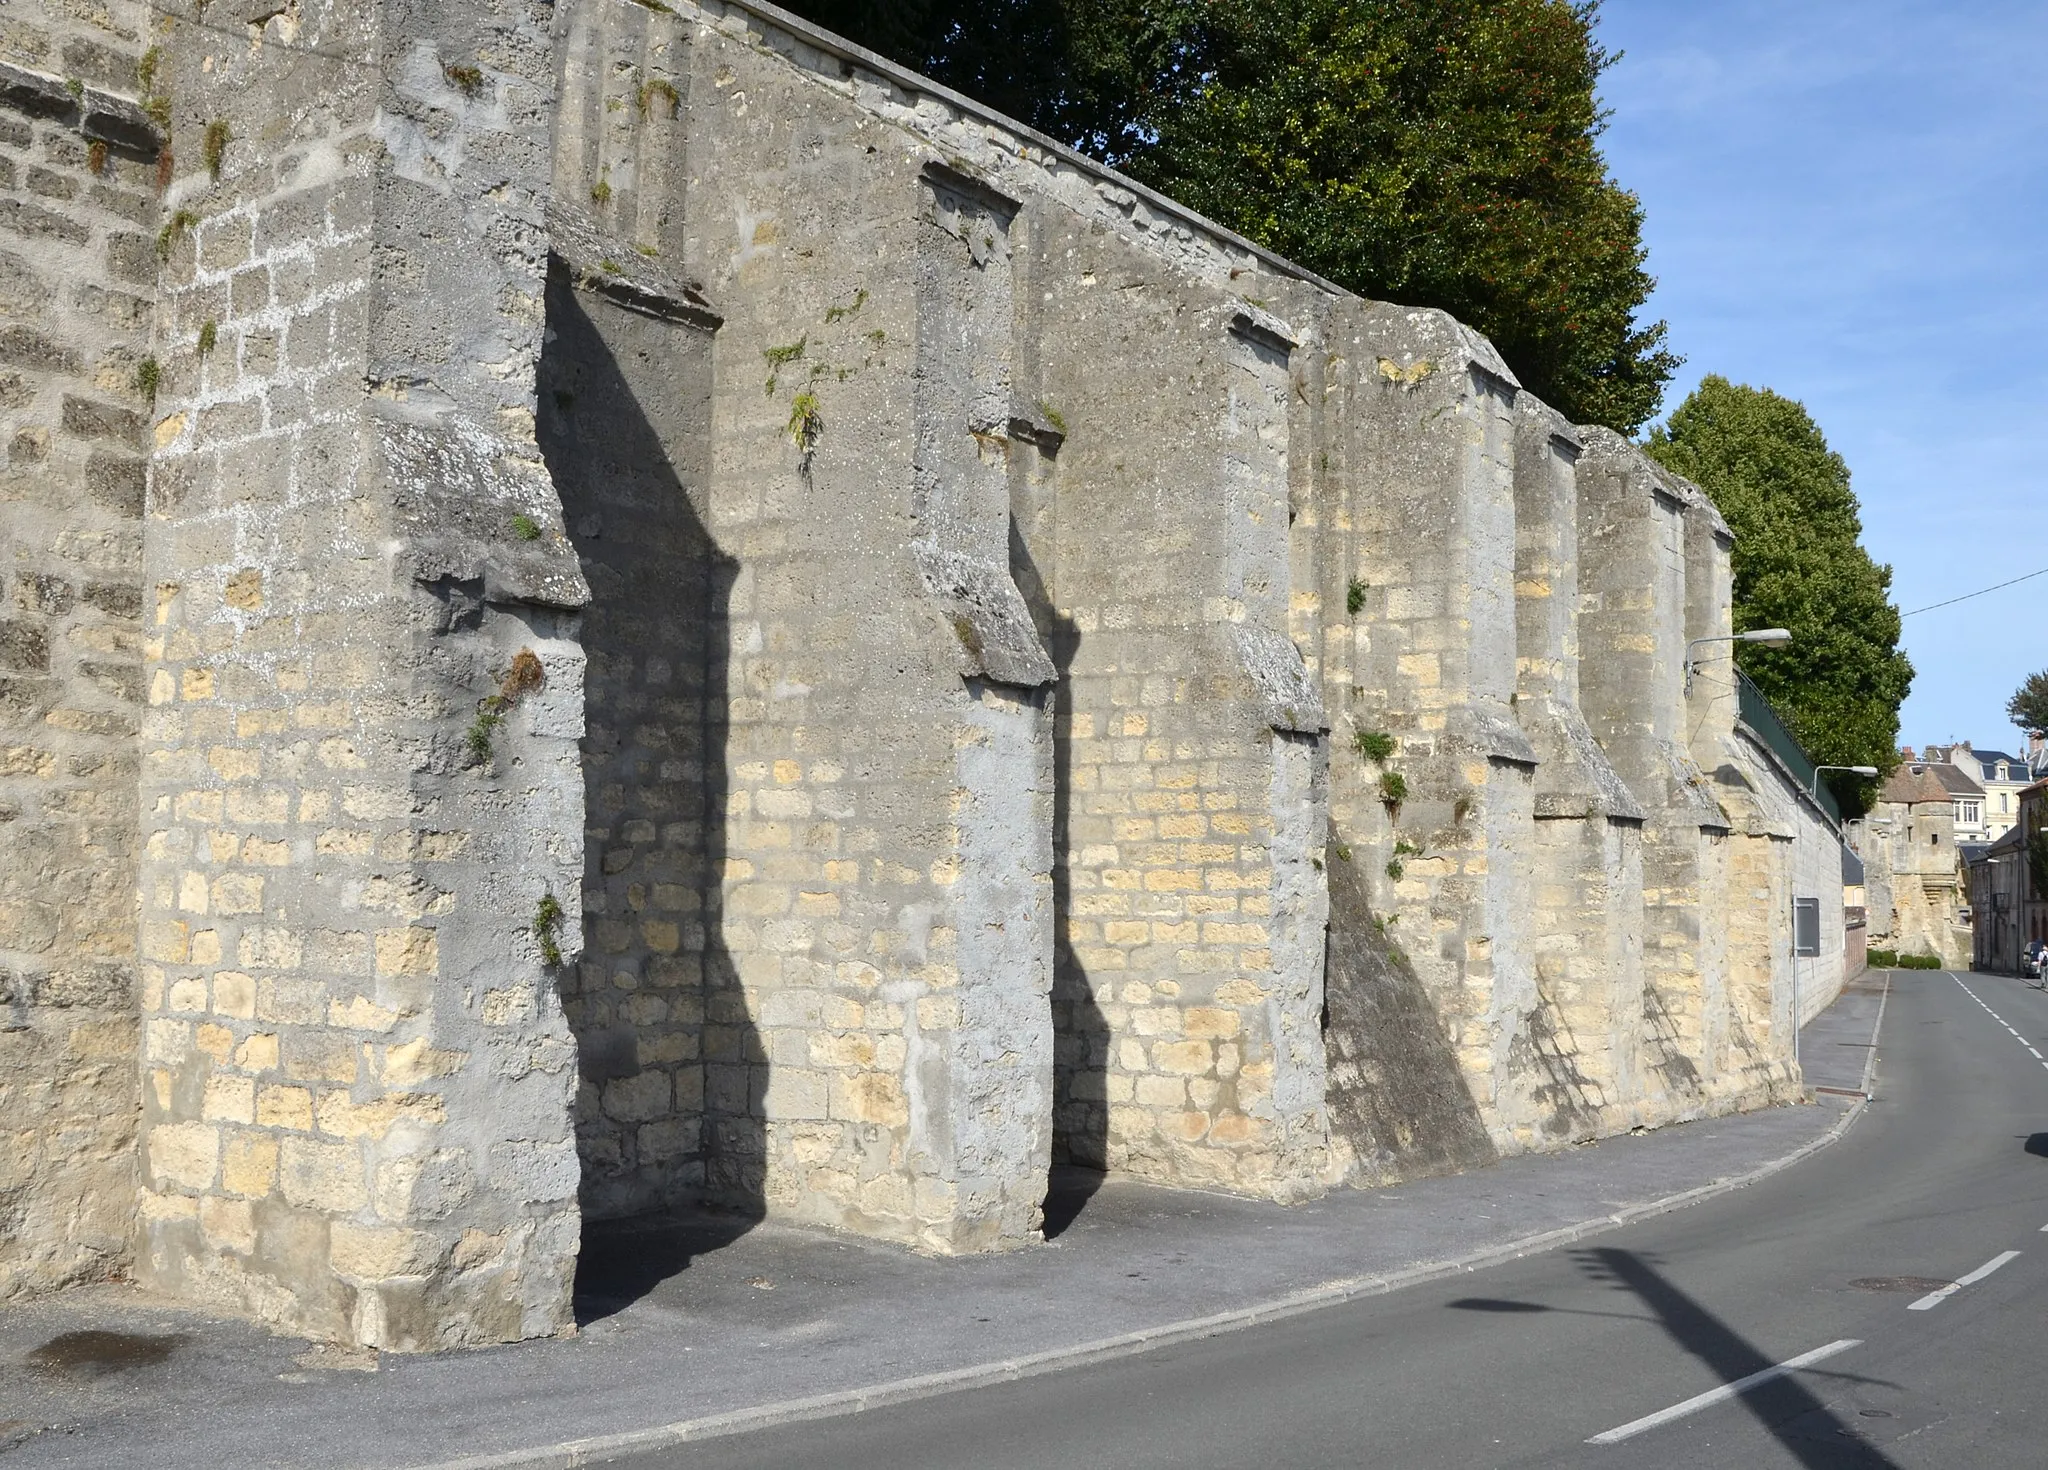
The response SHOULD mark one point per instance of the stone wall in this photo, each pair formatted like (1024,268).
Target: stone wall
(360,782)
(78,176)
(720,624)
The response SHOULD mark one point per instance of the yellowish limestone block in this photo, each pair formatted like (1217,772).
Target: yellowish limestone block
(408,951)
(248,1164)
(378,1252)
(234,994)
(258,1053)
(229,1099)
(321,1176)
(342,1117)
(280,1106)
(360,1013)
(184,1154)
(1184,1057)
(228,1224)
(869,1097)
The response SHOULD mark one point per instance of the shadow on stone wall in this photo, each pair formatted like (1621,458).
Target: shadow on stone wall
(1544,1056)
(1080,1109)
(1397,1098)
(669,1110)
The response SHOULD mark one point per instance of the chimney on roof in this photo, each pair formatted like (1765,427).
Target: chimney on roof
(1964,747)
(1906,752)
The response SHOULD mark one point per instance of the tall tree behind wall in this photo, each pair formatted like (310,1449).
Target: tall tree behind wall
(1800,565)
(1431,152)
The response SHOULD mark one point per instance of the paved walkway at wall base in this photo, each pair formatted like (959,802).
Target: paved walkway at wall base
(702,1326)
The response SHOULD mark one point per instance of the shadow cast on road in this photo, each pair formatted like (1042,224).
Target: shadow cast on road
(1812,1433)
(1793,1415)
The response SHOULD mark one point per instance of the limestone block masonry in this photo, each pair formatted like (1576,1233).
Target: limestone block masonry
(616,605)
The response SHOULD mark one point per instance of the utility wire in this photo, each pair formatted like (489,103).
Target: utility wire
(1978,593)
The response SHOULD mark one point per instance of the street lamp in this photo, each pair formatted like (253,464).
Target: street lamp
(1773,637)
(1854,770)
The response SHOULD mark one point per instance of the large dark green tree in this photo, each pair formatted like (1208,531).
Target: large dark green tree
(1800,565)
(2028,707)
(1431,152)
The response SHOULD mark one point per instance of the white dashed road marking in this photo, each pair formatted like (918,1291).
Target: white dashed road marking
(1725,1392)
(1936,1298)
(1999,1019)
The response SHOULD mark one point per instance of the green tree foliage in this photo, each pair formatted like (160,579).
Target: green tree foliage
(2028,707)
(1437,153)
(1799,564)
(1431,152)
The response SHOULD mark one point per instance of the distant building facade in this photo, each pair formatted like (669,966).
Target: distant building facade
(1997,890)
(1912,869)
(2000,778)
(2008,885)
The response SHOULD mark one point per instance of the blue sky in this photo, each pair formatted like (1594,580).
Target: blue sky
(1846,203)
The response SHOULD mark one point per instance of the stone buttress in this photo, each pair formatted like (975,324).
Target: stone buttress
(1750,1016)
(1441,821)
(860,907)
(1587,900)
(361,793)
(1633,641)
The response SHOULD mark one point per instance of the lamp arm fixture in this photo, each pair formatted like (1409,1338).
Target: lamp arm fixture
(1770,637)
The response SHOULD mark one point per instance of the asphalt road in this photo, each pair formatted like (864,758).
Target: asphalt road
(1840,1262)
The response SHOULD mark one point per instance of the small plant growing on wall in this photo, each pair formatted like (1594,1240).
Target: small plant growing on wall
(841,313)
(483,730)
(1354,596)
(547,926)
(209,337)
(96,157)
(658,88)
(1374,745)
(1403,848)
(468,80)
(525,527)
(779,358)
(176,228)
(215,147)
(806,422)
(525,676)
(149,376)
(1393,788)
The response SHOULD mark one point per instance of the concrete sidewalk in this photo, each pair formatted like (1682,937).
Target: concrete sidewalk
(716,1326)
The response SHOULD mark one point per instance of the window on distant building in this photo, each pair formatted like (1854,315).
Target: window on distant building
(1969,813)
(2001,772)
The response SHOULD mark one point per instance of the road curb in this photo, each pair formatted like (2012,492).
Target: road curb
(605,1449)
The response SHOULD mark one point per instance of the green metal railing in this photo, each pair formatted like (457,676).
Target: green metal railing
(1757,713)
